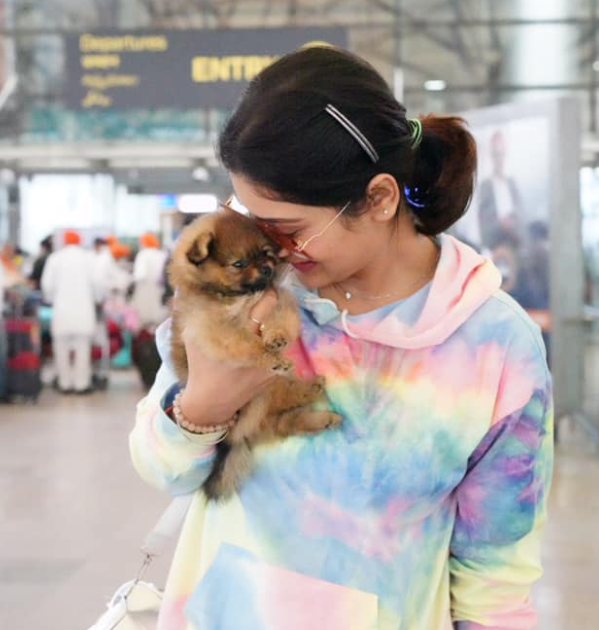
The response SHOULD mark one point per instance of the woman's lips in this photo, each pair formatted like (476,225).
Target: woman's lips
(303,266)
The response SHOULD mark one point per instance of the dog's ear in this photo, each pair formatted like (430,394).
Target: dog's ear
(200,250)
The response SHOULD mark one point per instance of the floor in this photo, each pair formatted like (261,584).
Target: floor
(74,513)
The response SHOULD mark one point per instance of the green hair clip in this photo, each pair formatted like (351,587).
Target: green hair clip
(416,125)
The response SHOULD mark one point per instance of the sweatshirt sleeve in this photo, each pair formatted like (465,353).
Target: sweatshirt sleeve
(163,454)
(501,505)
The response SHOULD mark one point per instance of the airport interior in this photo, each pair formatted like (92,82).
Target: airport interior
(112,119)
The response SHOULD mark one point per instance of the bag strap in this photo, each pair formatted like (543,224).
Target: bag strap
(157,540)
(169,523)
(154,545)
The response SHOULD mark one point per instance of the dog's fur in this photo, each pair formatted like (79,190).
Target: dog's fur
(214,298)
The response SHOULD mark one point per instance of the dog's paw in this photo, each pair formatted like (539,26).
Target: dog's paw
(317,385)
(275,340)
(334,420)
(282,366)
(316,421)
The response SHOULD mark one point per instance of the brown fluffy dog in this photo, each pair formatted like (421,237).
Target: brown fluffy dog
(221,267)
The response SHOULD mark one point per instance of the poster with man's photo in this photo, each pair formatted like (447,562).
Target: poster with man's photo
(510,212)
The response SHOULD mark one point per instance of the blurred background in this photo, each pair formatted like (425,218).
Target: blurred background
(109,114)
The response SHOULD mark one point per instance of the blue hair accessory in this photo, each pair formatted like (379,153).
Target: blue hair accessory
(414,196)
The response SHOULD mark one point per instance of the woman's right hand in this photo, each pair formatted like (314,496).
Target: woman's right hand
(215,390)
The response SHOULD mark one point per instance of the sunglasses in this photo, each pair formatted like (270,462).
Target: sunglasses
(287,241)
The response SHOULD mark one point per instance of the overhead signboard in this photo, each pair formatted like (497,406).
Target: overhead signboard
(176,69)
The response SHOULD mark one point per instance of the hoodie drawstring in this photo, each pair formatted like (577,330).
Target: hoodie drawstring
(345,325)
(344,313)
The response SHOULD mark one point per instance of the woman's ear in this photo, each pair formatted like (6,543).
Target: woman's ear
(383,197)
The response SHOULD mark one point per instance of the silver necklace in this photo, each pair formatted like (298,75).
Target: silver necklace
(350,293)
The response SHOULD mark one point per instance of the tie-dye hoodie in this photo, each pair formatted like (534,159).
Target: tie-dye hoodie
(423,511)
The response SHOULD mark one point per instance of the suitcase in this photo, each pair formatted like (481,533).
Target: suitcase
(23,360)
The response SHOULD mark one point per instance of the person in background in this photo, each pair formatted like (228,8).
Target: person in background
(147,278)
(536,267)
(2,285)
(535,294)
(109,275)
(35,276)
(9,260)
(70,286)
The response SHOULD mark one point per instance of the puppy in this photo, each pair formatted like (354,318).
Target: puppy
(221,267)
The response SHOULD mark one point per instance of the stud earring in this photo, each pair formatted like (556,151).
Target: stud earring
(386,211)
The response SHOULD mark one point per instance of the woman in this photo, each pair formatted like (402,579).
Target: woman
(423,510)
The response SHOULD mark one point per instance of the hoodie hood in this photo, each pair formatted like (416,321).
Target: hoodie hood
(463,282)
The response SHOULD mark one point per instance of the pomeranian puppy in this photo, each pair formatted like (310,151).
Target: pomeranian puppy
(221,267)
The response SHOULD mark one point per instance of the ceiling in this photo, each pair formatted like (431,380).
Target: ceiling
(472,45)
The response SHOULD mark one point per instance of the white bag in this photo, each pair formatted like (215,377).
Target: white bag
(136,604)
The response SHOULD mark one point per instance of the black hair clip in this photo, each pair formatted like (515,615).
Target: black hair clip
(414,197)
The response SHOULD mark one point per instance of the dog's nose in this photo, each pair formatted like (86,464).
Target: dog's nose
(266,271)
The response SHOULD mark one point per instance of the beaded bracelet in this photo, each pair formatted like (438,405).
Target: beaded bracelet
(198,429)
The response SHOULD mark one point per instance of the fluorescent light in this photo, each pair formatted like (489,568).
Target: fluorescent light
(54,163)
(196,204)
(435,85)
(125,162)
(200,174)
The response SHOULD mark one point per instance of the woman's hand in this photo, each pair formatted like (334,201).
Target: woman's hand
(215,390)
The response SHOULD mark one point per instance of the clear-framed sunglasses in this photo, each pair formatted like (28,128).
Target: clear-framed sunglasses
(285,241)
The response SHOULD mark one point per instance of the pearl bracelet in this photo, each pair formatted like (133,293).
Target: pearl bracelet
(198,429)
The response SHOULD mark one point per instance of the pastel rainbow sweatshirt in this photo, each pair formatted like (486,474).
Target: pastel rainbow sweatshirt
(422,511)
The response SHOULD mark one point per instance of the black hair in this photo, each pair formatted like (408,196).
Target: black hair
(281,139)
(47,243)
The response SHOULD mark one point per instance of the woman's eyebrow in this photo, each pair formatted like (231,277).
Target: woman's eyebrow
(276,220)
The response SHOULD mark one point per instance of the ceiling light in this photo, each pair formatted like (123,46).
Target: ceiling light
(200,174)
(435,85)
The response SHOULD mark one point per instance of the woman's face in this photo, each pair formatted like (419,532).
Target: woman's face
(337,250)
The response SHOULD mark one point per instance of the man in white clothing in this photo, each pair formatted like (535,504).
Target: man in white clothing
(148,274)
(69,284)
(110,276)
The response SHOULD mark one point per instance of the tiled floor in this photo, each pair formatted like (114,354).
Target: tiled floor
(72,512)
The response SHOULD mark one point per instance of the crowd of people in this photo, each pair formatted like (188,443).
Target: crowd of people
(80,288)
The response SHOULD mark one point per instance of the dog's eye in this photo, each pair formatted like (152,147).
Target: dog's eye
(240,264)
